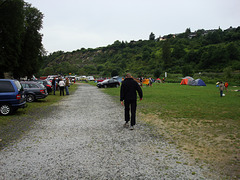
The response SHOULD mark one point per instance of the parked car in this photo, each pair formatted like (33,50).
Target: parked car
(83,78)
(47,84)
(100,80)
(34,90)
(11,96)
(90,78)
(71,78)
(108,83)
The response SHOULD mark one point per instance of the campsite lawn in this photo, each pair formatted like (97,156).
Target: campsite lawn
(196,119)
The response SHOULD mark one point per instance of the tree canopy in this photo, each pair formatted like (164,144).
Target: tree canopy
(188,52)
(22,53)
(20,40)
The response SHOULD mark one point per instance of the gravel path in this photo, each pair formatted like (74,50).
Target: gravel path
(84,138)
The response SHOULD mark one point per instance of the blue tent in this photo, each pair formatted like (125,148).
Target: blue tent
(199,82)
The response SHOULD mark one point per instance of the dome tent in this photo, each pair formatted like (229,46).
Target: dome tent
(187,80)
(200,82)
(190,81)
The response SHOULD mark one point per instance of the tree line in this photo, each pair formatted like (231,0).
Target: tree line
(21,48)
(186,53)
(22,53)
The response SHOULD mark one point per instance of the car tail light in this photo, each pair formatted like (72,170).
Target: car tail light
(48,86)
(18,96)
(42,91)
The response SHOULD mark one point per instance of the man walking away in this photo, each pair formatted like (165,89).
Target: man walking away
(128,98)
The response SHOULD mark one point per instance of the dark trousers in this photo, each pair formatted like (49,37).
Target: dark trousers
(132,104)
(54,89)
(62,90)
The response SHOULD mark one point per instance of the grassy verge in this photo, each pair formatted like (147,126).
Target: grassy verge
(13,126)
(197,120)
(41,103)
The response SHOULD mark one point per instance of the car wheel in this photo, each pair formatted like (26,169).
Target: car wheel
(30,98)
(5,109)
(105,86)
(117,86)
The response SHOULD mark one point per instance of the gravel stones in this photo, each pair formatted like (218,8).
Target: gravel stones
(84,138)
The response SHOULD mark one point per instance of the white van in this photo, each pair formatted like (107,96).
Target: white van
(90,78)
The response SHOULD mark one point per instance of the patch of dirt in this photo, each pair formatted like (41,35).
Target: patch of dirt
(201,140)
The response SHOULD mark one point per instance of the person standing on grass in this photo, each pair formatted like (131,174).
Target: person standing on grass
(66,86)
(221,88)
(226,86)
(61,86)
(54,85)
(128,98)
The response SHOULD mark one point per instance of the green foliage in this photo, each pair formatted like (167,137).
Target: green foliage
(20,40)
(151,36)
(189,52)
(166,55)
(114,73)
(11,29)
(157,73)
(187,70)
(90,69)
(32,43)
(227,72)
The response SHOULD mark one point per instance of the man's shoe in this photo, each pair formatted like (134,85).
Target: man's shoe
(131,128)
(126,125)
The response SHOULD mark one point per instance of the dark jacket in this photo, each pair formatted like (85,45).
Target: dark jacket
(54,82)
(128,90)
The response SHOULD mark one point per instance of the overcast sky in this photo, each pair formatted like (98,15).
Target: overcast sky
(74,24)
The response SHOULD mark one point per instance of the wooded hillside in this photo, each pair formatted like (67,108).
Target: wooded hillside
(186,53)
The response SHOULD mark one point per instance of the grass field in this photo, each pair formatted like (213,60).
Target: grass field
(197,120)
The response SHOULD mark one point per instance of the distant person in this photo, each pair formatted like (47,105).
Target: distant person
(150,81)
(58,80)
(67,83)
(54,85)
(128,98)
(61,86)
(226,86)
(221,88)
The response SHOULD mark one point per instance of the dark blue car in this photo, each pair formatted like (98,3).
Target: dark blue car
(11,96)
